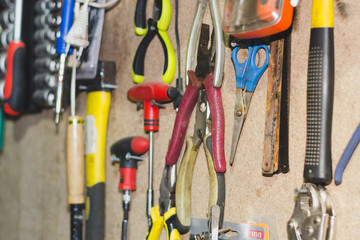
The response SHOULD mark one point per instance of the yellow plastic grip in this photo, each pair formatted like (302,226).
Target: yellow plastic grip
(322,14)
(97,111)
(140,31)
(169,219)
(164,21)
(137,78)
(183,183)
(157,223)
(75,160)
(169,74)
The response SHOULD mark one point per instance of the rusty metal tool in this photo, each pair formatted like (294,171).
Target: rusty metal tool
(276,158)
(194,37)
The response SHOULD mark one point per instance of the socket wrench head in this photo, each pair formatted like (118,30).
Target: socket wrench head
(44,97)
(7,18)
(47,20)
(45,34)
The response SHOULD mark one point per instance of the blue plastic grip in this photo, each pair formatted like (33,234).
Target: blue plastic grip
(345,157)
(247,73)
(67,18)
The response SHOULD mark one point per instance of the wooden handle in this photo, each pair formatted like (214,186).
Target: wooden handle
(75,160)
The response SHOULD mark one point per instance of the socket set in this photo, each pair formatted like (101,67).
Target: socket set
(7,18)
(41,21)
(47,20)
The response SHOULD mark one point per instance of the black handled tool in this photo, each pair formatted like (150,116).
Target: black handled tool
(320,94)
(313,216)
(127,151)
(140,18)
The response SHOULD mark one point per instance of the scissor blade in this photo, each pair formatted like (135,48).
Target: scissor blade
(239,117)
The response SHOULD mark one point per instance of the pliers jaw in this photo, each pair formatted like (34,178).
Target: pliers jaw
(167,189)
(205,55)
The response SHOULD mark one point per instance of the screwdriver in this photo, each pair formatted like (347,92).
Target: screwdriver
(67,15)
(15,82)
(127,151)
(150,95)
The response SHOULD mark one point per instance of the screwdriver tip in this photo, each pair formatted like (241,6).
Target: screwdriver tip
(57,119)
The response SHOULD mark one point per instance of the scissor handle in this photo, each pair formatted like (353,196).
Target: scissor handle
(247,73)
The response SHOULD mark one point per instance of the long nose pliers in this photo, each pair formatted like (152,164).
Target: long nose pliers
(157,26)
(208,130)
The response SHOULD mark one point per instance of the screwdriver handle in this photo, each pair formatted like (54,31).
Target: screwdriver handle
(67,18)
(140,18)
(75,160)
(15,81)
(320,94)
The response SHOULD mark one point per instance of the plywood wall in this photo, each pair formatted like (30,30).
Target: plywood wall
(33,171)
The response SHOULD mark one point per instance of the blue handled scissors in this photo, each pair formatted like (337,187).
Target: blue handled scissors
(247,77)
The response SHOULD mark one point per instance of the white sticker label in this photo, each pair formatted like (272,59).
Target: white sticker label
(90,134)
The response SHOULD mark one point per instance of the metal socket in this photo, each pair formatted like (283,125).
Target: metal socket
(45,34)
(47,6)
(46,63)
(44,97)
(43,80)
(45,48)
(47,20)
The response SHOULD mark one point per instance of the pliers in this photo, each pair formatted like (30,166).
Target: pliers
(209,129)
(194,37)
(165,213)
(157,25)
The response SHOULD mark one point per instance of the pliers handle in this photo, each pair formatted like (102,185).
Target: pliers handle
(182,121)
(219,39)
(155,27)
(140,16)
(158,222)
(184,179)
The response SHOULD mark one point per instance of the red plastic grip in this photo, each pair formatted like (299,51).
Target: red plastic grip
(217,123)
(127,179)
(149,91)
(15,82)
(146,93)
(186,107)
(139,145)
(151,117)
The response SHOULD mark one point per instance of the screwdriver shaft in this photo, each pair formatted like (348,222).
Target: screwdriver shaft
(150,191)
(60,87)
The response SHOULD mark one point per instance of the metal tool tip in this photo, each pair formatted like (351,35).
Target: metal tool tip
(57,119)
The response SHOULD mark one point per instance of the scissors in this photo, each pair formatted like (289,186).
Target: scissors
(247,77)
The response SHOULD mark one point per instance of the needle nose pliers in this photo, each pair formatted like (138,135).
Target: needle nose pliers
(209,129)
(157,26)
